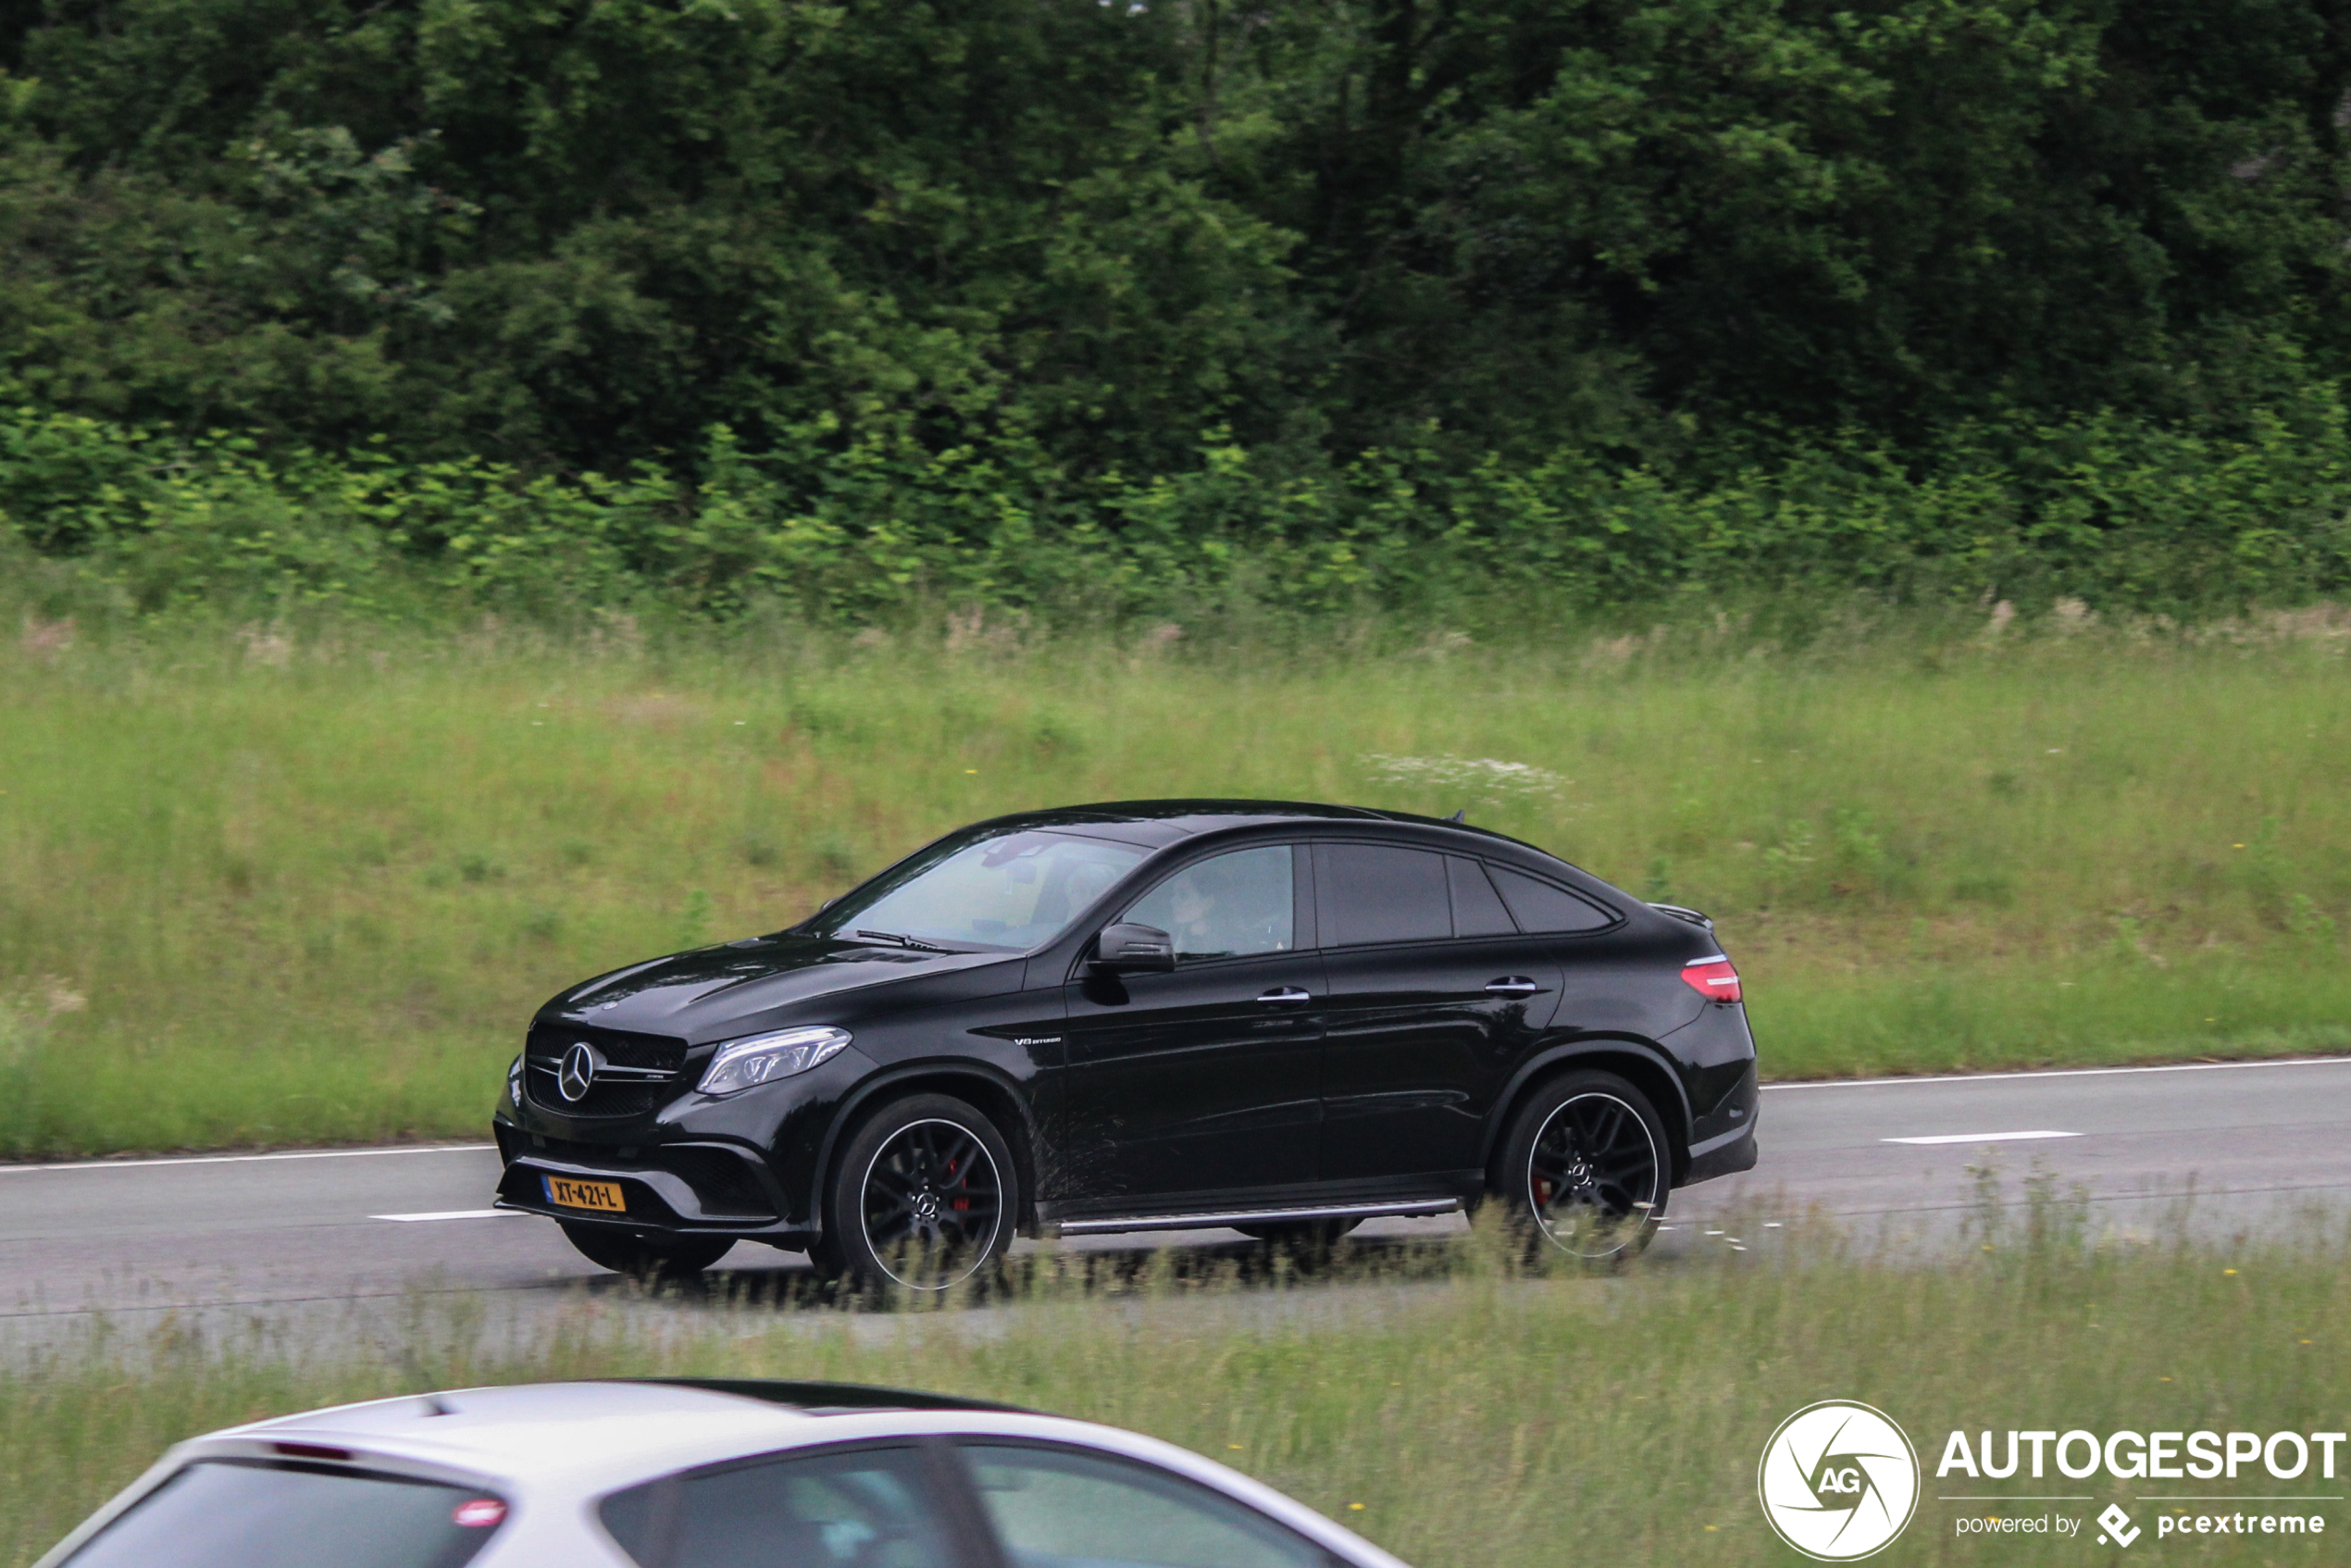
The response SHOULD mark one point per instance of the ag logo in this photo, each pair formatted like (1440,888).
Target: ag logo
(1838,1480)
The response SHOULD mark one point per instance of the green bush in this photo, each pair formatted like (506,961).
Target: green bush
(2118,512)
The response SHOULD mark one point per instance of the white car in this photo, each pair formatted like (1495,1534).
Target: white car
(696,1474)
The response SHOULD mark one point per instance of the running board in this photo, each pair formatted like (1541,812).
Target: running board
(1419,1206)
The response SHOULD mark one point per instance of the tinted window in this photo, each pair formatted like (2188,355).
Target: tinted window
(230,1515)
(1539,906)
(1476,911)
(1055,1509)
(1372,893)
(867,1507)
(1015,890)
(1226,906)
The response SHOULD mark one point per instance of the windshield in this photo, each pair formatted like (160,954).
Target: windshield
(1009,889)
(242,1514)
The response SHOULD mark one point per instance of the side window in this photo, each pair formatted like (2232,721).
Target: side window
(867,1507)
(1539,906)
(1476,911)
(1226,906)
(1055,1508)
(1374,893)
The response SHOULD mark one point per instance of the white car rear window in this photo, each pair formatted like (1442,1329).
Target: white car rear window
(221,1513)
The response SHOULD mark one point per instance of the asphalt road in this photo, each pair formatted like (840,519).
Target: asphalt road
(326,1233)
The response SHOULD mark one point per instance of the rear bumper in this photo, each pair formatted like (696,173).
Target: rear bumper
(1727,1155)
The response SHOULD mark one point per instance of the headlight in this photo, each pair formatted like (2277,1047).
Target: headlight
(758,1059)
(514,1081)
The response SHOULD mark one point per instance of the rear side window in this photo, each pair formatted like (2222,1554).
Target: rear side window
(1476,911)
(1376,893)
(1540,906)
(239,1514)
(867,1507)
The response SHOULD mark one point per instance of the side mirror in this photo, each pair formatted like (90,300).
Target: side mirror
(1130,949)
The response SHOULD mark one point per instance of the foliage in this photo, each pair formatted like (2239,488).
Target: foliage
(2121,512)
(1070,236)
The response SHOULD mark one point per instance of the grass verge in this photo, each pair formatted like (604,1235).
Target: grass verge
(287,886)
(1462,1417)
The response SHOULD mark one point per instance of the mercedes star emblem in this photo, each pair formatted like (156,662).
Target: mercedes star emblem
(577,1074)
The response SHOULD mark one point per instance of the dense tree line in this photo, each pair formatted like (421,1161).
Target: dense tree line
(577,234)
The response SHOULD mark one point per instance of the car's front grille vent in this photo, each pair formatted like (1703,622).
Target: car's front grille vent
(724,1182)
(641,1072)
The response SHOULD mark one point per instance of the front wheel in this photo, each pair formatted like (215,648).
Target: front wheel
(1586,1163)
(643,1256)
(926,1196)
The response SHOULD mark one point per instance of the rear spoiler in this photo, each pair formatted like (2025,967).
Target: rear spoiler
(1689,917)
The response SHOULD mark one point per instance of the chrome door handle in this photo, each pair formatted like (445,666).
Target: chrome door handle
(1511,985)
(1285,996)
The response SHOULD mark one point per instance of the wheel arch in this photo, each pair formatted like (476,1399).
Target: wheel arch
(991,1091)
(1638,1063)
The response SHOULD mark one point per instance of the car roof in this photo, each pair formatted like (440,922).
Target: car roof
(583,1439)
(1160,823)
(545,1427)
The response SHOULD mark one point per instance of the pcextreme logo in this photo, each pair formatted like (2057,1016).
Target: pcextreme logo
(1838,1480)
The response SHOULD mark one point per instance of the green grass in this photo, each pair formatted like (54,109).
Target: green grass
(1480,1419)
(310,885)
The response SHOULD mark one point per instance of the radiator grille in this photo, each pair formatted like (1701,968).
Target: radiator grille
(650,1070)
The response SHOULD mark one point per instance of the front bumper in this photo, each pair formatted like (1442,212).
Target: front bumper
(701,1187)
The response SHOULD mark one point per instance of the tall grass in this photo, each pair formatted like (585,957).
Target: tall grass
(311,883)
(1469,1420)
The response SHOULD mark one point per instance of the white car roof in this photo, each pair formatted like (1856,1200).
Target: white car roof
(539,1430)
(580,1441)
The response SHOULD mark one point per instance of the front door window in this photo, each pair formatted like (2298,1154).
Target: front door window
(1052,1507)
(1229,907)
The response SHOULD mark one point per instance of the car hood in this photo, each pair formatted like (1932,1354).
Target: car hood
(676,994)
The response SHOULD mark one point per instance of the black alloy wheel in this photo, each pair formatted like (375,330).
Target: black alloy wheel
(926,1196)
(1586,1163)
(642,1256)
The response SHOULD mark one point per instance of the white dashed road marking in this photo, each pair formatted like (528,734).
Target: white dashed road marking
(1979,1137)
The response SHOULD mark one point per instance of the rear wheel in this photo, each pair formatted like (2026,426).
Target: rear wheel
(926,1196)
(1586,1163)
(643,1256)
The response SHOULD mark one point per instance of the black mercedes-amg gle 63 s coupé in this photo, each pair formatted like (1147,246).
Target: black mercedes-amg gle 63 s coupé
(1159,1015)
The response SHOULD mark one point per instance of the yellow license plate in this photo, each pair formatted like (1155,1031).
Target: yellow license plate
(603,1195)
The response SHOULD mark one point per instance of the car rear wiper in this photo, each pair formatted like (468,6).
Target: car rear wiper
(902,941)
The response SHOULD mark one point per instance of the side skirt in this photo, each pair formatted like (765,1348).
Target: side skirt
(1226,1217)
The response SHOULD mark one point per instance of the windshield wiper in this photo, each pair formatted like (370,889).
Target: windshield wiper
(902,941)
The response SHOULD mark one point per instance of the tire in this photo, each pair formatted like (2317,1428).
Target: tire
(924,1197)
(1587,1165)
(1310,1235)
(642,1256)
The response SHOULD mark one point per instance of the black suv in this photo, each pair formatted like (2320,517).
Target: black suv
(1160,1015)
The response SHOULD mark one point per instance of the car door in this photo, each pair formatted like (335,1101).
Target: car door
(1434,994)
(1203,1080)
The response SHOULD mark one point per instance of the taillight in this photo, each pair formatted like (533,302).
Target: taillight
(1712,979)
